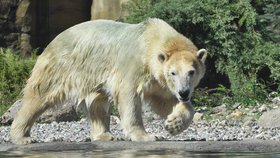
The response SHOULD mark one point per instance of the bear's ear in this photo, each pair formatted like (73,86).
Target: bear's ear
(201,55)
(162,57)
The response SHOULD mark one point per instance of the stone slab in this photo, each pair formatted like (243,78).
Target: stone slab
(270,119)
(193,146)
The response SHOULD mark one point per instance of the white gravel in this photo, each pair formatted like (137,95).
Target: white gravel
(199,131)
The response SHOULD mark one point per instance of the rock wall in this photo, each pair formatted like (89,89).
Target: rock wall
(107,9)
(23,22)
(30,24)
(9,33)
(15,25)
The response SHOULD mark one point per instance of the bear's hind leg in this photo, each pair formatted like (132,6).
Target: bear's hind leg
(99,118)
(32,107)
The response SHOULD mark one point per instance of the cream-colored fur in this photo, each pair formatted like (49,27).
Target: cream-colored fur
(98,62)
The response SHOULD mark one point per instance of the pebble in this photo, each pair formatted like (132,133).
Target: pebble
(263,108)
(237,114)
(215,130)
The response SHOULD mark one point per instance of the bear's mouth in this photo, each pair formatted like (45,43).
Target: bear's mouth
(184,100)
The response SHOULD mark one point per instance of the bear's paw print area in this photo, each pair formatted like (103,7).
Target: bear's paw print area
(174,124)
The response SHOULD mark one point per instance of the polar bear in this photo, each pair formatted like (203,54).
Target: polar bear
(96,63)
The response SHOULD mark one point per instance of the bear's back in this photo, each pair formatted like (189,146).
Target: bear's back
(99,38)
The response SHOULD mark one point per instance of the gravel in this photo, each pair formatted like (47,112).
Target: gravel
(198,131)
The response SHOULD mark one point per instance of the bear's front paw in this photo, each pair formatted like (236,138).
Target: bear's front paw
(175,124)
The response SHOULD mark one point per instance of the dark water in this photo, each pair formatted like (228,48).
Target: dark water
(139,154)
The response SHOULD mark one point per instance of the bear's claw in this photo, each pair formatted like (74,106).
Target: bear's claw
(159,138)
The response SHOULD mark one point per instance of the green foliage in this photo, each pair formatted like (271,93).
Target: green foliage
(234,33)
(211,97)
(14,71)
(246,89)
(269,19)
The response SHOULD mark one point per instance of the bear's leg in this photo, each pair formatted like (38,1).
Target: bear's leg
(161,106)
(32,107)
(129,107)
(99,117)
(180,118)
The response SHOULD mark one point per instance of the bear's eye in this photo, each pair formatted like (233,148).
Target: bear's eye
(191,73)
(173,73)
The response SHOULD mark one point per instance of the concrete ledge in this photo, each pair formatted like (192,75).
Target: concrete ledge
(195,146)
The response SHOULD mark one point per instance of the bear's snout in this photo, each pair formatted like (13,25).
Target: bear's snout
(184,95)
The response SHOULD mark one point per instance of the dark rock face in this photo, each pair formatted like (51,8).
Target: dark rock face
(15,25)
(9,33)
(29,24)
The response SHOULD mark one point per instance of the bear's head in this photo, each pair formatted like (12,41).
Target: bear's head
(182,71)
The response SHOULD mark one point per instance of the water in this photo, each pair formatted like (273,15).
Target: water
(138,154)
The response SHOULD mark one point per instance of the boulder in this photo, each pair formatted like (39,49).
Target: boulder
(220,109)
(65,112)
(198,116)
(8,116)
(60,113)
(270,119)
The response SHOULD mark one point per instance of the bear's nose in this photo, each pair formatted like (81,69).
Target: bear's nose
(184,94)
